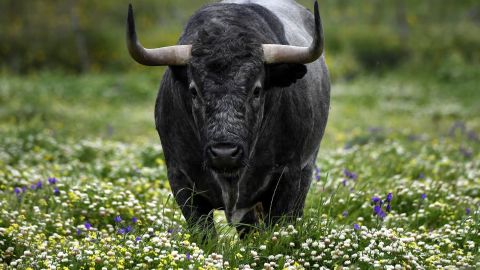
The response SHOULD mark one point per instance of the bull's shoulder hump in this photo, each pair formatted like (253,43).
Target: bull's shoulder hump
(297,20)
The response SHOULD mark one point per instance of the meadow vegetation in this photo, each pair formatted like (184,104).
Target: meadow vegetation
(83,183)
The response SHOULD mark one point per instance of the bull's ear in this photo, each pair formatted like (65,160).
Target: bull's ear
(284,75)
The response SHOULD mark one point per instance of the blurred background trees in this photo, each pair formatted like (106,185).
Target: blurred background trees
(362,36)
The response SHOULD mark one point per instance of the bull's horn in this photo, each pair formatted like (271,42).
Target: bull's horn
(166,56)
(286,54)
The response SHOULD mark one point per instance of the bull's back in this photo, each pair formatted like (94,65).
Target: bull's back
(294,17)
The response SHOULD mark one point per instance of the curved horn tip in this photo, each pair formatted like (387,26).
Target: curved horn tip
(131,32)
(130,15)
(316,13)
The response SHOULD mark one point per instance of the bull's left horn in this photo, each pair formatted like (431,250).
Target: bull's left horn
(178,55)
(286,54)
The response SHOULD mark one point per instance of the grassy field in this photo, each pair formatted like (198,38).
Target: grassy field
(83,183)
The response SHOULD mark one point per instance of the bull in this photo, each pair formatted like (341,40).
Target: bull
(241,109)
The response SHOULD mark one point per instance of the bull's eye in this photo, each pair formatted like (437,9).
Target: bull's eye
(193,91)
(257,91)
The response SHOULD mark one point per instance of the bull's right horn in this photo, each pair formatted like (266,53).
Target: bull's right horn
(287,54)
(178,55)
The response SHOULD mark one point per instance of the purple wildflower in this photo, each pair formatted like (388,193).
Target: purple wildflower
(389,197)
(134,219)
(423,196)
(468,211)
(345,213)
(349,174)
(128,229)
(466,152)
(376,200)
(17,191)
(121,231)
(56,191)
(388,208)
(24,189)
(79,231)
(170,231)
(356,227)
(39,185)
(88,226)
(52,180)
(118,219)
(344,182)
(379,212)
(317,173)
(472,136)
(138,238)
(187,256)
(421,175)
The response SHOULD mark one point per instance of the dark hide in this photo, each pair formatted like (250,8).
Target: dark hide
(226,95)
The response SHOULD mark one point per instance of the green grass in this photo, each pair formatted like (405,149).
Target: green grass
(407,133)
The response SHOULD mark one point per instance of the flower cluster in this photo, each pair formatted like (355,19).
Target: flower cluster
(109,206)
(378,205)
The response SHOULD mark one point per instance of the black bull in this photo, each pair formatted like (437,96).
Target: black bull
(241,109)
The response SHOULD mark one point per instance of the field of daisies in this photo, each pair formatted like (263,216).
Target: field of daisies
(83,183)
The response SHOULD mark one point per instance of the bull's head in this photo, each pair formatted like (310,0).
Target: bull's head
(227,81)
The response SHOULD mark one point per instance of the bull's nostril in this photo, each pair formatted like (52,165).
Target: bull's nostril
(236,153)
(211,152)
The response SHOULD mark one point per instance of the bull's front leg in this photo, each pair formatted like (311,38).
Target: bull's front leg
(285,199)
(196,210)
(247,224)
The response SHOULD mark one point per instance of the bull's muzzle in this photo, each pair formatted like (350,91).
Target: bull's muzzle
(225,157)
